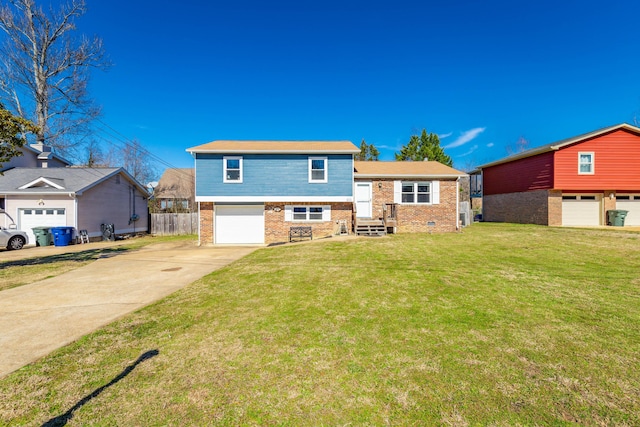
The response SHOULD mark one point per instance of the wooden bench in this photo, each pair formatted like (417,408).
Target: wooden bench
(300,233)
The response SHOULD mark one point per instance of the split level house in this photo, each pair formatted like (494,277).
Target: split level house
(41,189)
(573,182)
(254,192)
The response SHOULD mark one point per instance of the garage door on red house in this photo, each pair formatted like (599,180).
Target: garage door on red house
(630,203)
(581,210)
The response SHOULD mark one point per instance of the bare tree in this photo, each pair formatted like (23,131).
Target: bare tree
(136,160)
(45,68)
(522,144)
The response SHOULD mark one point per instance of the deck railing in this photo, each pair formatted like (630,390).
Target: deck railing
(389,214)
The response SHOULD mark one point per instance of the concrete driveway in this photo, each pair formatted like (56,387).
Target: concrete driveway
(38,318)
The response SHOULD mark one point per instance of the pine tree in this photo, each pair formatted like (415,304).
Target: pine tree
(424,147)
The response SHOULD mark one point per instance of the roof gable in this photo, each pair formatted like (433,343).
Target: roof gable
(293,147)
(43,182)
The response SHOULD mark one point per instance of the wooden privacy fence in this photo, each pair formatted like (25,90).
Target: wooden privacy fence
(174,224)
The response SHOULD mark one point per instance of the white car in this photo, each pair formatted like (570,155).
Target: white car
(12,239)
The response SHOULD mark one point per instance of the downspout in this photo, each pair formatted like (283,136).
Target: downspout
(199,222)
(458,204)
(75,211)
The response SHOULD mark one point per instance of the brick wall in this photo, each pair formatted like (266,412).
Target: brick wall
(206,223)
(555,207)
(276,229)
(414,218)
(609,204)
(530,207)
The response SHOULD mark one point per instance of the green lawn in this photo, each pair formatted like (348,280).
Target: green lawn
(499,325)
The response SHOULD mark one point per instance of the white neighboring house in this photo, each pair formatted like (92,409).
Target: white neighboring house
(83,198)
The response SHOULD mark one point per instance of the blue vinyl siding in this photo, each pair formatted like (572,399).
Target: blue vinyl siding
(274,175)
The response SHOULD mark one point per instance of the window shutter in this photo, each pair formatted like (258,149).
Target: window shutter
(326,213)
(435,192)
(288,213)
(397,191)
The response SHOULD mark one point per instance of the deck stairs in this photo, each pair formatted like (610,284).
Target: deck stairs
(370,227)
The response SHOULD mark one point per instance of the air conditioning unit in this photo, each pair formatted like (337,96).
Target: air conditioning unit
(464,219)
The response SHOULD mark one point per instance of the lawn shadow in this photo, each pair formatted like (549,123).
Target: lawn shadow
(63,419)
(82,256)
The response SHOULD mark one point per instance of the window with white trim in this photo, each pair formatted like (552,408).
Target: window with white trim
(317,169)
(232,166)
(416,192)
(307,213)
(585,163)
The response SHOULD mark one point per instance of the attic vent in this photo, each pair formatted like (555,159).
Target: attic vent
(117,179)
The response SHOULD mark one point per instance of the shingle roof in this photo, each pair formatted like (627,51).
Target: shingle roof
(562,143)
(73,180)
(176,183)
(405,169)
(297,147)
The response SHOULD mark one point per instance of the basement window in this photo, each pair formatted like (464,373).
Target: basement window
(307,213)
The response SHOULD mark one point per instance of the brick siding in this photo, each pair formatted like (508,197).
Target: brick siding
(276,229)
(415,218)
(530,207)
(555,207)
(206,223)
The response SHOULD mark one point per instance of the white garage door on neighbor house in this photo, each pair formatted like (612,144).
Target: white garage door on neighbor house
(631,203)
(29,218)
(581,210)
(239,224)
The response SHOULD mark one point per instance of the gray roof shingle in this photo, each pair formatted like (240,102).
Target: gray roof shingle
(73,180)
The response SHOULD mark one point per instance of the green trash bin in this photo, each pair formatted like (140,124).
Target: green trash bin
(615,217)
(43,236)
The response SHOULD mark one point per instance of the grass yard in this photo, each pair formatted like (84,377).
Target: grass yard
(499,325)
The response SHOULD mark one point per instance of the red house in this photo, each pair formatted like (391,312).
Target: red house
(572,182)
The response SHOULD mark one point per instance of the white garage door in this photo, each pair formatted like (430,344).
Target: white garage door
(239,224)
(629,203)
(29,218)
(581,210)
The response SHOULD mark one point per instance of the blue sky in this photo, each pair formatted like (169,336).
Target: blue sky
(479,74)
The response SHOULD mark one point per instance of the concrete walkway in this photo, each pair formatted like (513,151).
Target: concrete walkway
(38,318)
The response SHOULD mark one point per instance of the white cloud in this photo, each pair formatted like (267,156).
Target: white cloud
(490,144)
(466,137)
(445,135)
(471,150)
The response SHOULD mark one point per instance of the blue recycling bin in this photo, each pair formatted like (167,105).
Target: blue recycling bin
(62,235)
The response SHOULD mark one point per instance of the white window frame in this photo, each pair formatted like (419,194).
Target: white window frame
(326,170)
(591,164)
(224,170)
(415,193)
(324,211)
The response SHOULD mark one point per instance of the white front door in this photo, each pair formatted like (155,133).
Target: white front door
(363,199)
